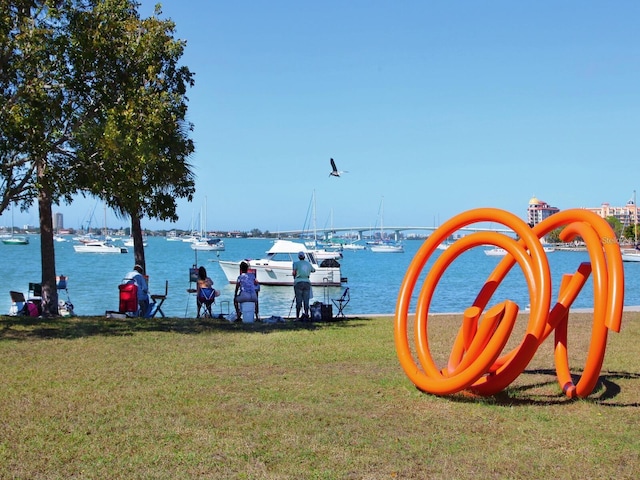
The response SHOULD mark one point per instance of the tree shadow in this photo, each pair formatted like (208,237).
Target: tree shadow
(35,328)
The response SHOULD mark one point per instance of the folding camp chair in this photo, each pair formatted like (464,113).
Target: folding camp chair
(342,302)
(17,303)
(158,300)
(128,299)
(206,298)
(65,307)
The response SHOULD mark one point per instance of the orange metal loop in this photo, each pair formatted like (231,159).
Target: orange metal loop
(477,361)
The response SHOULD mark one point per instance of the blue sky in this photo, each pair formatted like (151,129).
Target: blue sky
(437,107)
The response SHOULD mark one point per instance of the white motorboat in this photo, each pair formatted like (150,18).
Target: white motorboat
(172,236)
(353,246)
(129,243)
(501,252)
(99,246)
(495,252)
(277,267)
(322,254)
(386,247)
(208,244)
(630,255)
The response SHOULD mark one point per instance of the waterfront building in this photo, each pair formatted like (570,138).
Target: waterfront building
(538,211)
(626,215)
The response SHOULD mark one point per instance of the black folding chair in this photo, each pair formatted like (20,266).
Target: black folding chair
(158,300)
(342,302)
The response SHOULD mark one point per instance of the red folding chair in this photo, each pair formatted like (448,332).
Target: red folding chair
(128,299)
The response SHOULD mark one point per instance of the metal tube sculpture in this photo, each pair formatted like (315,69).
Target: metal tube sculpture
(477,362)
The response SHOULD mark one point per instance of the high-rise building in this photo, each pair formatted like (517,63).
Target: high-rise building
(538,211)
(58,222)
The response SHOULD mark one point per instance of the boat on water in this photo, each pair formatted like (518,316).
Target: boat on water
(208,244)
(501,252)
(276,267)
(322,253)
(129,243)
(495,252)
(353,246)
(12,238)
(630,254)
(15,240)
(386,247)
(172,236)
(99,246)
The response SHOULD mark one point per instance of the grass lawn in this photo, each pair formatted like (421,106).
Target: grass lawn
(96,398)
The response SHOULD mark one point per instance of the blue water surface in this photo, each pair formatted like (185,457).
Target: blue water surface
(374,278)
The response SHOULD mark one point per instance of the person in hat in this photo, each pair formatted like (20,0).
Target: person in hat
(136,276)
(302,269)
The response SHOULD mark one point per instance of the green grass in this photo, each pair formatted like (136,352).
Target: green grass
(96,398)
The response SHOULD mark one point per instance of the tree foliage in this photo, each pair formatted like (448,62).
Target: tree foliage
(93,101)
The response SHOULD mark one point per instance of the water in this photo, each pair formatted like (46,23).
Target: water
(374,278)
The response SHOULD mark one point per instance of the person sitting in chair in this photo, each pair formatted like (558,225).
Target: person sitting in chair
(205,293)
(247,287)
(136,277)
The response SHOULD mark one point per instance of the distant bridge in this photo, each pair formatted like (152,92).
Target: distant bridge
(328,232)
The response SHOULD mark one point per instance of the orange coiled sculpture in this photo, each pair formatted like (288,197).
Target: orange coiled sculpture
(477,361)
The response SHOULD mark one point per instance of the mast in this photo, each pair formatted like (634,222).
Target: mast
(635,221)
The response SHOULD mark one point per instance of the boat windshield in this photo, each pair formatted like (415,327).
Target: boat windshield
(289,257)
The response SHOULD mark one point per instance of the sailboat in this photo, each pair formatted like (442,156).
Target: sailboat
(320,252)
(632,254)
(383,245)
(13,239)
(203,243)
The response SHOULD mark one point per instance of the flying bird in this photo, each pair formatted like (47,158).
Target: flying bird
(334,170)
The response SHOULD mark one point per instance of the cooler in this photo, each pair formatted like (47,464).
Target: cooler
(248,310)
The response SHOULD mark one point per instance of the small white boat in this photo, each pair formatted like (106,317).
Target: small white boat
(129,243)
(387,247)
(501,252)
(444,246)
(208,244)
(495,252)
(172,236)
(189,239)
(353,246)
(277,267)
(12,239)
(630,255)
(99,247)
(322,254)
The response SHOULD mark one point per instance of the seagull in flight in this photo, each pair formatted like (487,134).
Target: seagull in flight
(334,170)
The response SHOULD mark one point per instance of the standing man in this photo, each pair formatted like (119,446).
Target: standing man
(302,269)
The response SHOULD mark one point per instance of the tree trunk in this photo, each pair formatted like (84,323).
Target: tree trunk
(47,250)
(138,247)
